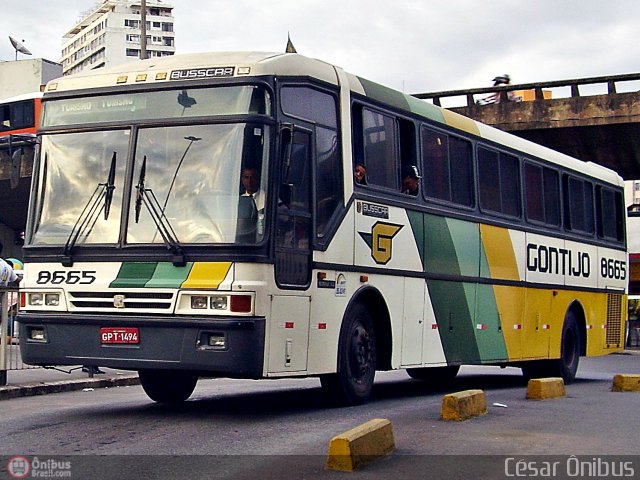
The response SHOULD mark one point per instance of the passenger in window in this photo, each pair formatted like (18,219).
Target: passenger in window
(360,174)
(410,180)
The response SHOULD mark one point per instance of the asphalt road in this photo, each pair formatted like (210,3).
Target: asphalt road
(281,429)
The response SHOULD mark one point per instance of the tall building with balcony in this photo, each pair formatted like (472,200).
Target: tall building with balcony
(110,34)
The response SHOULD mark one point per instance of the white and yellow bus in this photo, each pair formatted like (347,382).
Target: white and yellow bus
(197,216)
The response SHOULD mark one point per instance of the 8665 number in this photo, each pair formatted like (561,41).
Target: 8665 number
(611,268)
(70,277)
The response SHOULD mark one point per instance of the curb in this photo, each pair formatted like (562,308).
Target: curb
(11,391)
(360,445)
(463,405)
(545,388)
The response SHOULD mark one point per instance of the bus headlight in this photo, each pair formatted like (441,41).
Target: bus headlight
(52,299)
(216,303)
(36,299)
(199,302)
(219,302)
(43,300)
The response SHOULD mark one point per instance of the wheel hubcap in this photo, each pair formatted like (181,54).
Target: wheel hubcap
(360,352)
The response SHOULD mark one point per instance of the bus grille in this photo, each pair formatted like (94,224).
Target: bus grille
(614,319)
(128,301)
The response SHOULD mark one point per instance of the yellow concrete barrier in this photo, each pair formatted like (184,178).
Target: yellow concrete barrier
(545,388)
(626,383)
(360,445)
(463,405)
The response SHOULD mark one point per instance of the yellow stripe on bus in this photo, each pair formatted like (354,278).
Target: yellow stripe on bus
(456,120)
(499,252)
(207,275)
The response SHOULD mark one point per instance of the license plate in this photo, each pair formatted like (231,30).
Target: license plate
(119,335)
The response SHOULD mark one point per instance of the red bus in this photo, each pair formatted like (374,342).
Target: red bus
(19,120)
(20,115)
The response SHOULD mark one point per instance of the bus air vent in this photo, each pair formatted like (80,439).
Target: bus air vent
(614,319)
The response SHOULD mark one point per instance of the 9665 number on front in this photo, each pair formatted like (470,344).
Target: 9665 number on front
(70,277)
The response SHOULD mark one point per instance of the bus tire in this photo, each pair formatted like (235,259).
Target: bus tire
(353,382)
(167,386)
(566,366)
(437,375)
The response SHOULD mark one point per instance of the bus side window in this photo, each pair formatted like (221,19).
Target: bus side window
(499,182)
(379,148)
(578,196)
(408,156)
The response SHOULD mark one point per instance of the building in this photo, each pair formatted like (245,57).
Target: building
(26,76)
(110,34)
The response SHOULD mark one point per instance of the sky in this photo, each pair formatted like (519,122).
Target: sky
(410,45)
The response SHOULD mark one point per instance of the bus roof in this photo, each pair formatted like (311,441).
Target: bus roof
(248,64)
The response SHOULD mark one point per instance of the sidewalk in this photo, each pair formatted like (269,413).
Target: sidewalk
(41,381)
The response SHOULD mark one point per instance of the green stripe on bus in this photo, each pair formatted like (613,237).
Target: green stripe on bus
(465,237)
(400,100)
(134,274)
(451,302)
(426,109)
(489,337)
(485,271)
(439,250)
(167,275)
(416,220)
(466,313)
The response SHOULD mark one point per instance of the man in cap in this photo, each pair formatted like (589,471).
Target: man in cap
(410,180)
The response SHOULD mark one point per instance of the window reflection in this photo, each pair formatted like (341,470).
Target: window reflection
(74,166)
(194,173)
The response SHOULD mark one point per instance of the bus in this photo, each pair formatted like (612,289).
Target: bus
(20,115)
(148,247)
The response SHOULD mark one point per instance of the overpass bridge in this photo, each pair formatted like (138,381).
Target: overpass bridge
(594,119)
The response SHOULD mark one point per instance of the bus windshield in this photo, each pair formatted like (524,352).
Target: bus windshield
(193,184)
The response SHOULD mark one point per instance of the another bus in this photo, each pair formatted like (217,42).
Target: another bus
(148,250)
(19,118)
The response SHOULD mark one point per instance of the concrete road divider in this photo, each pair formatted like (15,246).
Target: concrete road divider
(626,383)
(463,405)
(360,445)
(545,388)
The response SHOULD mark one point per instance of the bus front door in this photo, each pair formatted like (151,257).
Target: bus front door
(290,310)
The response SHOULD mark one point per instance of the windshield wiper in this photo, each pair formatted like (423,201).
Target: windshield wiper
(146,197)
(99,200)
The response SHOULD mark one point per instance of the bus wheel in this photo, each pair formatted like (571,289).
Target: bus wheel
(436,375)
(167,386)
(567,365)
(353,382)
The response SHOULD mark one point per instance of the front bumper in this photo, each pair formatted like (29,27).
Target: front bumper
(177,343)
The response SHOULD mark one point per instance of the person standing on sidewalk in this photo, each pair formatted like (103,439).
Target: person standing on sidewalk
(8,277)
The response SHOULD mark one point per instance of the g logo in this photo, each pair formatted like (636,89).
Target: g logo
(380,241)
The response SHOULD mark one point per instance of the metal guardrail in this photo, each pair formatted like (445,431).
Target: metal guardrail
(538,87)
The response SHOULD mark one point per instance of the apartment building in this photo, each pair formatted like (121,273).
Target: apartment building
(110,34)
